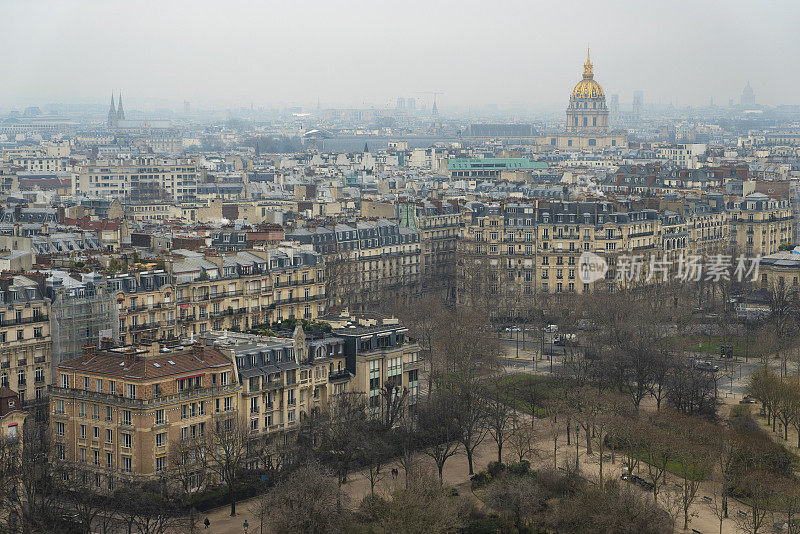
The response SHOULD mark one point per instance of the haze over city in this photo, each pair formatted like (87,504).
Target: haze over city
(441,267)
(363,54)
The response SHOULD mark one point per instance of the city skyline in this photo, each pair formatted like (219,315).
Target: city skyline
(370,55)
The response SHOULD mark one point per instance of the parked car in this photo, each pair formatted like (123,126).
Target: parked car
(705,365)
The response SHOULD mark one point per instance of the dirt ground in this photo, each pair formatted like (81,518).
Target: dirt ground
(456,474)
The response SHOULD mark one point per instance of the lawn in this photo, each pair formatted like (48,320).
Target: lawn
(546,388)
(710,344)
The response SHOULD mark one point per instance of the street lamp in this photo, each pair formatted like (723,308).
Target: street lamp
(577,429)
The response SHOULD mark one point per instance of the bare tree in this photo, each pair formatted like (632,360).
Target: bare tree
(438,431)
(553,412)
(523,440)
(305,502)
(343,431)
(223,452)
(499,415)
(717,505)
(470,414)
(759,487)
(394,401)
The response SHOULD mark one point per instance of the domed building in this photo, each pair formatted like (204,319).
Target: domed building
(587,118)
(587,109)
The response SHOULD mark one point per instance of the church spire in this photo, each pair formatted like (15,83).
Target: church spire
(120,111)
(587,67)
(112,113)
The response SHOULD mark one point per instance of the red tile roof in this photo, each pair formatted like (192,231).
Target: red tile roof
(145,367)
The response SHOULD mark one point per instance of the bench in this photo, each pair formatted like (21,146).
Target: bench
(695,531)
(706,498)
(742,513)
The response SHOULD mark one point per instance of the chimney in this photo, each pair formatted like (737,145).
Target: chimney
(197,351)
(90,350)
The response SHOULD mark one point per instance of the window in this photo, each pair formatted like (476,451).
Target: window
(126,440)
(126,417)
(161,439)
(109,436)
(130,391)
(59,406)
(112,387)
(127,466)
(99,385)
(64,381)
(96,432)
(160,417)
(229,403)
(83,432)
(161,463)
(109,413)
(59,428)
(82,409)
(95,411)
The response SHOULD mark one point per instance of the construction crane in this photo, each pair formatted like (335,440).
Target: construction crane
(434,93)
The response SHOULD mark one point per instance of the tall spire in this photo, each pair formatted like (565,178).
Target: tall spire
(587,67)
(120,111)
(112,113)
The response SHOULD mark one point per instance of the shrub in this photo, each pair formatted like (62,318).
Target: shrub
(479,480)
(495,468)
(520,468)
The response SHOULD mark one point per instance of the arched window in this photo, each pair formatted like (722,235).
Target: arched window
(585,121)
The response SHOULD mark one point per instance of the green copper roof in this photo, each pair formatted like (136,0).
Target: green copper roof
(471,164)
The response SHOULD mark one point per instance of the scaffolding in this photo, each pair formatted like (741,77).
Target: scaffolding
(82,313)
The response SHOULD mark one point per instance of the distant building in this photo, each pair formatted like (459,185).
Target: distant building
(638,103)
(748,96)
(587,123)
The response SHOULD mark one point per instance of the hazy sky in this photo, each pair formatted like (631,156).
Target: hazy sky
(347,53)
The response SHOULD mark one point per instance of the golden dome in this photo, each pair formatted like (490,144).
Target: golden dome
(587,87)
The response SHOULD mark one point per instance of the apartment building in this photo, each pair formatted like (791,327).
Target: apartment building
(143,178)
(685,155)
(366,261)
(146,306)
(759,225)
(119,411)
(285,379)
(42,163)
(198,293)
(12,419)
(377,352)
(512,250)
(780,271)
(25,342)
(439,227)
(238,291)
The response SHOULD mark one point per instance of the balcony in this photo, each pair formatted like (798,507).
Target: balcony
(126,401)
(338,376)
(25,320)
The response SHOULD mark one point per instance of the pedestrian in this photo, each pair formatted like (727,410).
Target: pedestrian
(206,522)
